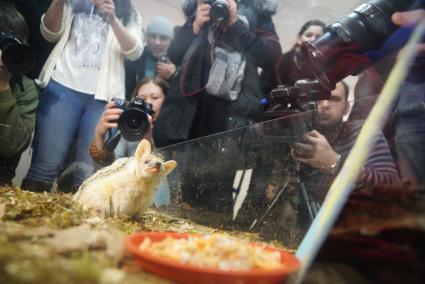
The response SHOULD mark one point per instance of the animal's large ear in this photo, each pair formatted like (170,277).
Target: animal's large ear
(168,167)
(144,148)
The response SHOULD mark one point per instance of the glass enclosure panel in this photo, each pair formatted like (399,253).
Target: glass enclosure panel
(247,179)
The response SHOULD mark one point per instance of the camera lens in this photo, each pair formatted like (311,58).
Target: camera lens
(341,50)
(133,124)
(219,11)
(19,58)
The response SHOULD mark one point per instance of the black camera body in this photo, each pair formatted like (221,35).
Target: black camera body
(163,58)
(219,11)
(18,57)
(341,50)
(133,122)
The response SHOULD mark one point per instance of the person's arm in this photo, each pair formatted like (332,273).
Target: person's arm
(107,121)
(17,117)
(181,42)
(380,167)
(129,38)
(193,28)
(261,44)
(51,21)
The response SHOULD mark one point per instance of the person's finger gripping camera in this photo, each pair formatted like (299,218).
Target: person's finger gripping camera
(133,122)
(219,11)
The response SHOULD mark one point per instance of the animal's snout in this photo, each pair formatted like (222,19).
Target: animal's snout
(157,164)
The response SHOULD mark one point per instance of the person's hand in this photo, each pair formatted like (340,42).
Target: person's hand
(148,134)
(408,18)
(233,11)
(165,70)
(107,9)
(323,156)
(202,16)
(108,119)
(4,76)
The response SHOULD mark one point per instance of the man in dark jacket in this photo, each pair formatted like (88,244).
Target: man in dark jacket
(201,101)
(154,60)
(18,101)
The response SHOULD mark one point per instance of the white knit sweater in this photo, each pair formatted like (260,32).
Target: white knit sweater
(111,75)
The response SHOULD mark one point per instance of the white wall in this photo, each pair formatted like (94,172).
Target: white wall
(292,14)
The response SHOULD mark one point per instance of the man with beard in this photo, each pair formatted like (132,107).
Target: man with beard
(332,140)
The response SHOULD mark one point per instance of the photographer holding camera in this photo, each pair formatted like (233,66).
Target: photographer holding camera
(151,91)
(154,60)
(144,109)
(18,94)
(219,50)
(332,139)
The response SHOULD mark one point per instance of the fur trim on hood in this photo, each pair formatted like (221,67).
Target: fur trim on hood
(265,7)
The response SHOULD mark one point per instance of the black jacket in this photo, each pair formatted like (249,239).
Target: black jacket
(135,71)
(186,117)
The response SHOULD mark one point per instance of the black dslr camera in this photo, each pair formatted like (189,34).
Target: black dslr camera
(18,57)
(133,122)
(219,11)
(341,50)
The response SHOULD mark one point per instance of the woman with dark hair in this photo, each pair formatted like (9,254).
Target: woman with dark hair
(152,90)
(289,68)
(84,71)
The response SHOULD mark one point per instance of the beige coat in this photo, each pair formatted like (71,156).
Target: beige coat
(111,75)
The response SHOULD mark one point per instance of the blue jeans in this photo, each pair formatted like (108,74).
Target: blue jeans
(62,115)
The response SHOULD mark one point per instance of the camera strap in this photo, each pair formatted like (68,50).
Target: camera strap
(187,59)
(112,142)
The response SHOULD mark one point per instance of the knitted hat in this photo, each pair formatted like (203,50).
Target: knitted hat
(160,25)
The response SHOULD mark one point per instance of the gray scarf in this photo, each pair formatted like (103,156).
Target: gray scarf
(227,71)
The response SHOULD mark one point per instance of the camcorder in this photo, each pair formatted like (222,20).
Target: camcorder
(18,57)
(287,100)
(219,11)
(341,50)
(133,122)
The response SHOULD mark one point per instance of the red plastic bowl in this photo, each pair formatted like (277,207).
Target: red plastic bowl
(189,274)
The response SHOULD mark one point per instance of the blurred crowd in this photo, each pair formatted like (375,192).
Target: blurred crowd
(216,72)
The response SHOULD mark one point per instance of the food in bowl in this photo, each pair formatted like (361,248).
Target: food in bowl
(215,251)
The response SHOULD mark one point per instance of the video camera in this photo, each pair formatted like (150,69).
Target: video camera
(341,50)
(18,57)
(133,122)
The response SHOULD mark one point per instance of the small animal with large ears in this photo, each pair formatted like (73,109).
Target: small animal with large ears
(127,187)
